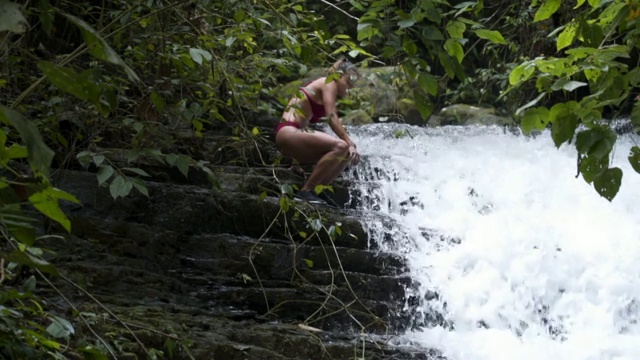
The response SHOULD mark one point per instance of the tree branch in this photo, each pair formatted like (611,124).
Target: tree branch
(344,12)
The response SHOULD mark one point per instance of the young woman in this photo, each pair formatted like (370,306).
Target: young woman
(316,103)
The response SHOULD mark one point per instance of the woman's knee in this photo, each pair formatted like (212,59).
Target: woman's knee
(341,147)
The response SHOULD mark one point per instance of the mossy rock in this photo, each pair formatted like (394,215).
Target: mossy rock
(463,114)
(357,117)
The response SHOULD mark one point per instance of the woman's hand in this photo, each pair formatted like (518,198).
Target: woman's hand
(354,155)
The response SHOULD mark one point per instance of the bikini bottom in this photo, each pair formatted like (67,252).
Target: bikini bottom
(282,124)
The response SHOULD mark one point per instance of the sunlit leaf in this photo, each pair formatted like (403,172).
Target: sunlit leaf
(456,29)
(284,203)
(491,35)
(454,49)
(548,8)
(46,201)
(309,263)
(567,36)
(521,73)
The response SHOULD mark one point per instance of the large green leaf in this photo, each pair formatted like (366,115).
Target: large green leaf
(424,106)
(454,48)
(456,29)
(69,81)
(535,119)
(546,10)
(567,36)
(431,32)
(99,48)
(521,73)
(608,183)
(491,35)
(46,201)
(428,83)
(568,85)
(597,141)
(104,173)
(40,155)
(565,121)
(592,167)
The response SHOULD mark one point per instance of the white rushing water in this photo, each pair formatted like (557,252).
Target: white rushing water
(539,266)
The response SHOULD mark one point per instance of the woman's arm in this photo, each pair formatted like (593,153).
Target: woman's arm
(329,97)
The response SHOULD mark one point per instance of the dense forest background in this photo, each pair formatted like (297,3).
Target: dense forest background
(80,77)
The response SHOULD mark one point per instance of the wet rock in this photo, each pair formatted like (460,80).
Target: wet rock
(226,273)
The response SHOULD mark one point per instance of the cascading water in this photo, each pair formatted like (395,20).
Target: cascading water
(515,257)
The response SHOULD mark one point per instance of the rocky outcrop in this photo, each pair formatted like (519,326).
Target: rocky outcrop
(235,272)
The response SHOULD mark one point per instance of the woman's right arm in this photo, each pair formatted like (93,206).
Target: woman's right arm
(329,97)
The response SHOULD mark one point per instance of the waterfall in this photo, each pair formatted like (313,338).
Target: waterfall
(514,257)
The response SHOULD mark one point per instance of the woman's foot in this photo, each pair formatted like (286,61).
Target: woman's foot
(309,197)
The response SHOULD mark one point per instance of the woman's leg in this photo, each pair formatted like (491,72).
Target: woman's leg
(328,152)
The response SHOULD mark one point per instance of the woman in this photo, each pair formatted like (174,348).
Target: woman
(316,103)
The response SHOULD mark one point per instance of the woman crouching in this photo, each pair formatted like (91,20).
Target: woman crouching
(330,154)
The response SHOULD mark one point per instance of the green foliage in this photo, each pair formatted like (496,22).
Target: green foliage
(593,60)
(112,87)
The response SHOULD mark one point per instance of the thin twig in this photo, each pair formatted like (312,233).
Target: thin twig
(344,12)
(80,314)
(93,298)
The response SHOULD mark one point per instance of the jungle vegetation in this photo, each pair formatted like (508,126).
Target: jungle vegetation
(80,77)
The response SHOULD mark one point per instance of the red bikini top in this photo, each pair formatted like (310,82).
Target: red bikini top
(317,110)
